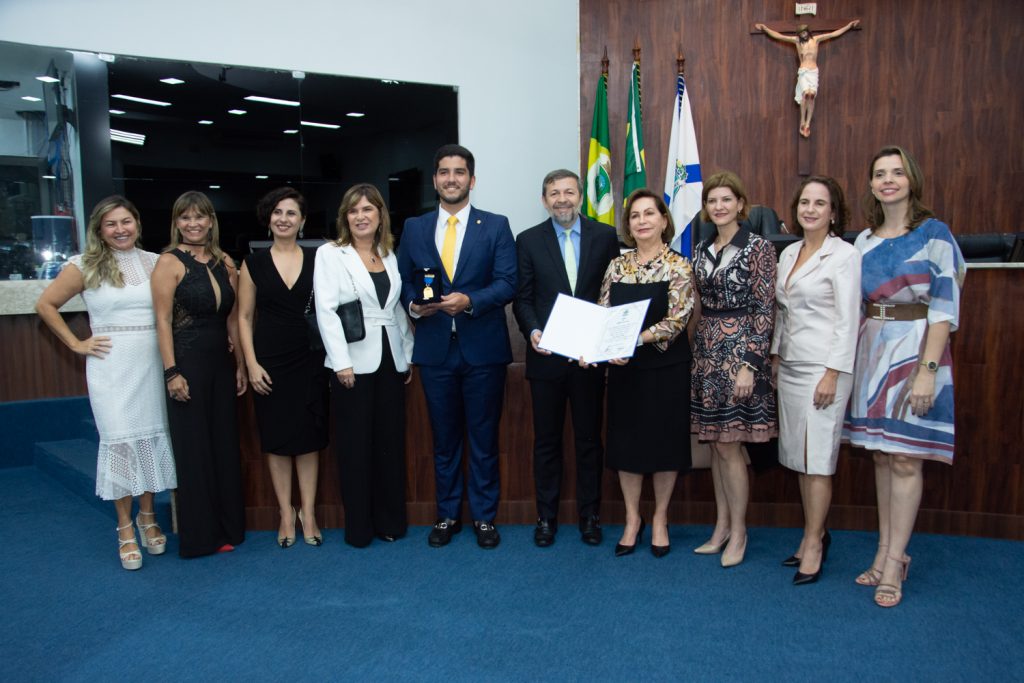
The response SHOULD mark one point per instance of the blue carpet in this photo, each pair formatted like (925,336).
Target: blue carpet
(406,612)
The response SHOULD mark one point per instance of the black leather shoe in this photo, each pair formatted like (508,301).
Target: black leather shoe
(800,579)
(791,561)
(590,530)
(443,531)
(621,550)
(487,535)
(388,538)
(544,533)
(660,551)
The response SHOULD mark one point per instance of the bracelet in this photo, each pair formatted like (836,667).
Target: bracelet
(748,366)
(170,373)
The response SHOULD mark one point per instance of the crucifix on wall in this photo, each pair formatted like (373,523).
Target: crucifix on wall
(807,36)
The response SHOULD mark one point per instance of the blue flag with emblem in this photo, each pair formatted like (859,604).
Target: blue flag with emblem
(683,183)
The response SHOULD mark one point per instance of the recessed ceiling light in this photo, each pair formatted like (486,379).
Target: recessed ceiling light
(172,81)
(130,138)
(291,131)
(356,114)
(49,177)
(142,100)
(262,177)
(214,187)
(29,98)
(47,79)
(236,112)
(272,100)
(314,124)
(117,111)
(205,122)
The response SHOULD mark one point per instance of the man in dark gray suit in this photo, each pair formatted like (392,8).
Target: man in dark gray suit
(565,254)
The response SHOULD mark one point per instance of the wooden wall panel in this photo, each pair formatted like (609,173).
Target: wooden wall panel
(941,79)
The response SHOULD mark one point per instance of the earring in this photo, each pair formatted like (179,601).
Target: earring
(270,233)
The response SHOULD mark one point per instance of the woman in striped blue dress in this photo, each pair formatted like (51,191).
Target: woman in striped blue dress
(902,402)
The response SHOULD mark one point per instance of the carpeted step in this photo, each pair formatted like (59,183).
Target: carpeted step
(72,463)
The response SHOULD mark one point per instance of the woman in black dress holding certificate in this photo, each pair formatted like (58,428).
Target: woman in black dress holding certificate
(650,391)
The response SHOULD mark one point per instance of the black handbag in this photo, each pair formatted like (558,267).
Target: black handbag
(350,313)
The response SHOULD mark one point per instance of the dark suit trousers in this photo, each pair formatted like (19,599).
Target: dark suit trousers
(369,444)
(584,390)
(465,398)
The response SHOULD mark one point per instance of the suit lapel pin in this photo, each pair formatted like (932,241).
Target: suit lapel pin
(478,221)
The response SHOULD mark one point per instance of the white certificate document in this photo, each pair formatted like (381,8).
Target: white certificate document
(579,329)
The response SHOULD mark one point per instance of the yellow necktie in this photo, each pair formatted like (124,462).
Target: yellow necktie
(570,260)
(448,248)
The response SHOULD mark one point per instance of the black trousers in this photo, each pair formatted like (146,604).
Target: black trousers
(583,389)
(369,443)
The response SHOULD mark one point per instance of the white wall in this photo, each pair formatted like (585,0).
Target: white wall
(516,64)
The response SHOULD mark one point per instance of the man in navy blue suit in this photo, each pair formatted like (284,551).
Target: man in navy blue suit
(462,346)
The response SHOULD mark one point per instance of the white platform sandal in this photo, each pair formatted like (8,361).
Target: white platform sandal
(155,545)
(130,559)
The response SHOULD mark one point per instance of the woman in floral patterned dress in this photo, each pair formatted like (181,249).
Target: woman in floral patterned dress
(732,400)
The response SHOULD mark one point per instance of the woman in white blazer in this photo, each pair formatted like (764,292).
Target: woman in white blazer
(813,347)
(367,391)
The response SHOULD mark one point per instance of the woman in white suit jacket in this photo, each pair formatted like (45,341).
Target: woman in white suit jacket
(368,393)
(815,340)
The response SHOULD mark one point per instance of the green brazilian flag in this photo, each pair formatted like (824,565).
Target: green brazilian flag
(636,166)
(598,202)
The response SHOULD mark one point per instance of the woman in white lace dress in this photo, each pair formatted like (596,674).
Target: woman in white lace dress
(123,369)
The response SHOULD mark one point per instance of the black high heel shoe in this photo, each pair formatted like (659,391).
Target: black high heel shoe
(794,561)
(621,550)
(800,579)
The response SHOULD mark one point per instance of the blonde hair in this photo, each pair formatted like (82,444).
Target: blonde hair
(383,241)
(98,262)
(204,207)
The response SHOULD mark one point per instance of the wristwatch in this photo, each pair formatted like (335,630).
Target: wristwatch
(930,365)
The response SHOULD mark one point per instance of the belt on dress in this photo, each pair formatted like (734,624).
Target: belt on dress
(892,312)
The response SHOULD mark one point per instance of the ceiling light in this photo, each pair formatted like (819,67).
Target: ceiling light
(172,81)
(356,114)
(29,98)
(117,111)
(49,177)
(262,177)
(272,100)
(389,81)
(47,79)
(214,187)
(291,131)
(130,138)
(314,124)
(236,112)
(142,100)
(205,122)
